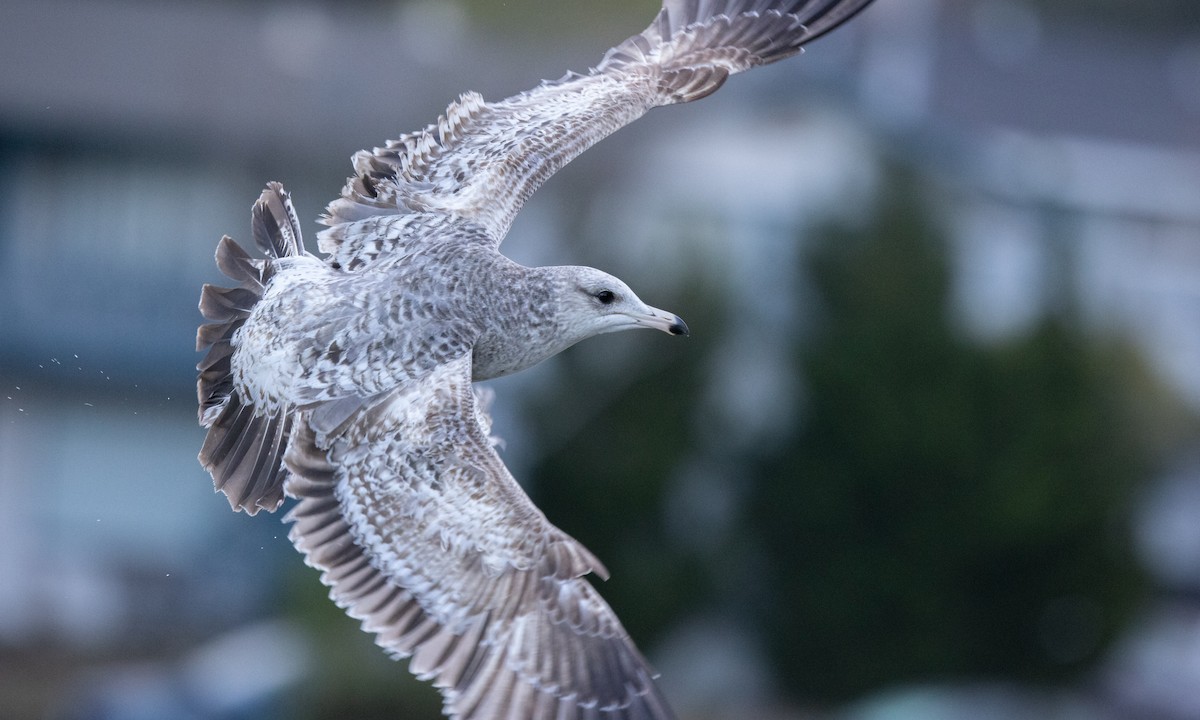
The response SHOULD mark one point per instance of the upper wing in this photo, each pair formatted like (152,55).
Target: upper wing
(473,169)
(422,533)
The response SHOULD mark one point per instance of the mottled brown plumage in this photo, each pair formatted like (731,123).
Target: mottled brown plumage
(347,382)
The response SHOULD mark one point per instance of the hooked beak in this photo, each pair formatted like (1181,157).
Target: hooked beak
(661,320)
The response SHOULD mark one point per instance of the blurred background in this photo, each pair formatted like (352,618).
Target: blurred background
(931,451)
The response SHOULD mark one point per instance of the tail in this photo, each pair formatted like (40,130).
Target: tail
(243,449)
(698,44)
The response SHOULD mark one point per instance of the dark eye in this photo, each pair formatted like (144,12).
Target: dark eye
(605,297)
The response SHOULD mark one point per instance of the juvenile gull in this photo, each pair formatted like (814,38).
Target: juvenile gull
(346,382)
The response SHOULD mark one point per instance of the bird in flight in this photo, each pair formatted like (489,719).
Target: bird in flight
(346,382)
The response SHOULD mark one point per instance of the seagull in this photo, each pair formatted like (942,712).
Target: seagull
(347,381)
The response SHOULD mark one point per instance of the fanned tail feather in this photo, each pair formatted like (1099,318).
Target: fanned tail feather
(243,449)
(276,227)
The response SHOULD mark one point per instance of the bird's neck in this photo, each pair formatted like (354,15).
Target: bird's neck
(523,326)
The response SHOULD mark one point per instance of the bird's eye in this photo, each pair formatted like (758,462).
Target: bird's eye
(606,297)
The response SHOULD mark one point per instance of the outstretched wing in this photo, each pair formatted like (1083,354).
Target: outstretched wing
(471,171)
(422,533)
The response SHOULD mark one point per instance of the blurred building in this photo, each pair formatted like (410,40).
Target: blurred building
(133,134)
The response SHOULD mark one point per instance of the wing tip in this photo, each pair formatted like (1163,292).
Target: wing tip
(691,41)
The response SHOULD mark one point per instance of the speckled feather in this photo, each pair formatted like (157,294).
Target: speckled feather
(347,382)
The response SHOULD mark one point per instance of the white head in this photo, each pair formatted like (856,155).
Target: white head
(592,302)
(566,304)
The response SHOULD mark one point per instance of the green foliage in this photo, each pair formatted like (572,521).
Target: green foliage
(945,509)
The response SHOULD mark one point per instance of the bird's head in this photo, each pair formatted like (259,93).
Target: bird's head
(594,302)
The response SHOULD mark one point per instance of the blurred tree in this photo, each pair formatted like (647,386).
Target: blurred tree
(945,508)
(355,678)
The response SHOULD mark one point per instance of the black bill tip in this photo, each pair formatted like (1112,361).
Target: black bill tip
(679,327)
